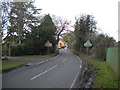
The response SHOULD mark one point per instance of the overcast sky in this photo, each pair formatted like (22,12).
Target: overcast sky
(104,11)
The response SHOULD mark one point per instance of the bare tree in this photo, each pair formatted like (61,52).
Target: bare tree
(62,25)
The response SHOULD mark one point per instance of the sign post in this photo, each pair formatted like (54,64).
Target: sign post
(87,44)
(48,45)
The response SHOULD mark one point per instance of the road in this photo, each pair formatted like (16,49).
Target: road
(59,72)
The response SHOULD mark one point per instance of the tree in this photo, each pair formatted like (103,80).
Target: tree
(104,41)
(22,17)
(4,21)
(61,25)
(4,14)
(70,39)
(85,26)
(39,35)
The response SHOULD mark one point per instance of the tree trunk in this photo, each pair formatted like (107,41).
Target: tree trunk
(58,39)
(19,40)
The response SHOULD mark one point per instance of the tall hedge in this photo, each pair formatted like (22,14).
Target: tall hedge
(17,50)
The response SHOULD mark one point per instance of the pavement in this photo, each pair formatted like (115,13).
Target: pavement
(60,71)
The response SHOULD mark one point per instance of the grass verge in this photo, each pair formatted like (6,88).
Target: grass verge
(6,64)
(50,55)
(105,77)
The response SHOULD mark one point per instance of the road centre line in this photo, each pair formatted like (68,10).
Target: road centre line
(64,59)
(43,72)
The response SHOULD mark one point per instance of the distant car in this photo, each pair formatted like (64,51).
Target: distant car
(62,46)
(59,47)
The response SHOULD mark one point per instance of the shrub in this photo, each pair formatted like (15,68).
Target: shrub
(17,50)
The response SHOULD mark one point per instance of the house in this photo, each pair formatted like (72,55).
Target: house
(62,44)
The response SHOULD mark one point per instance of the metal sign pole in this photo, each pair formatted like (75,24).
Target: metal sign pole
(48,45)
(48,49)
(87,44)
(87,50)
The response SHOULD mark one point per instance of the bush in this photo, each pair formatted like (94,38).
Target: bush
(101,53)
(4,49)
(17,50)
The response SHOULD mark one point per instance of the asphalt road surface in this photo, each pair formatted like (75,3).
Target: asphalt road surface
(59,72)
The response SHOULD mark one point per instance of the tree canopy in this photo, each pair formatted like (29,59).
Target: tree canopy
(39,35)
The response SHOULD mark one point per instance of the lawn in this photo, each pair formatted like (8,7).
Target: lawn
(50,55)
(6,64)
(106,77)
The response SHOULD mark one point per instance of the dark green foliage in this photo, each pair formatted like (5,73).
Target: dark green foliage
(21,17)
(85,26)
(85,29)
(38,36)
(28,31)
(104,42)
(35,40)
(69,38)
(4,50)
(17,50)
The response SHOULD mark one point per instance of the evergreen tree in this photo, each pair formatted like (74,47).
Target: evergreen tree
(22,16)
(84,27)
(39,35)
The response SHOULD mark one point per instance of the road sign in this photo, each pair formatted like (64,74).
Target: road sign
(87,44)
(48,44)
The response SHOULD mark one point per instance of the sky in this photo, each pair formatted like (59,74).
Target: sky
(104,11)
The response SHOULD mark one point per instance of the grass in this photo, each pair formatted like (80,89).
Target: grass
(105,78)
(6,64)
(10,64)
(50,55)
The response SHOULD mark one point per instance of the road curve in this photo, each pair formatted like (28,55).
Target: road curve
(59,72)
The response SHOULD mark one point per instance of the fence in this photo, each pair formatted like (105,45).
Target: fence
(112,59)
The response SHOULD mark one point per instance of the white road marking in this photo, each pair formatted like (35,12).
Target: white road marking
(80,59)
(64,59)
(47,60)
(81,62)
(56,56)
(77,73)
(43,72)
(74,80)
(80,66)
(40,62)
